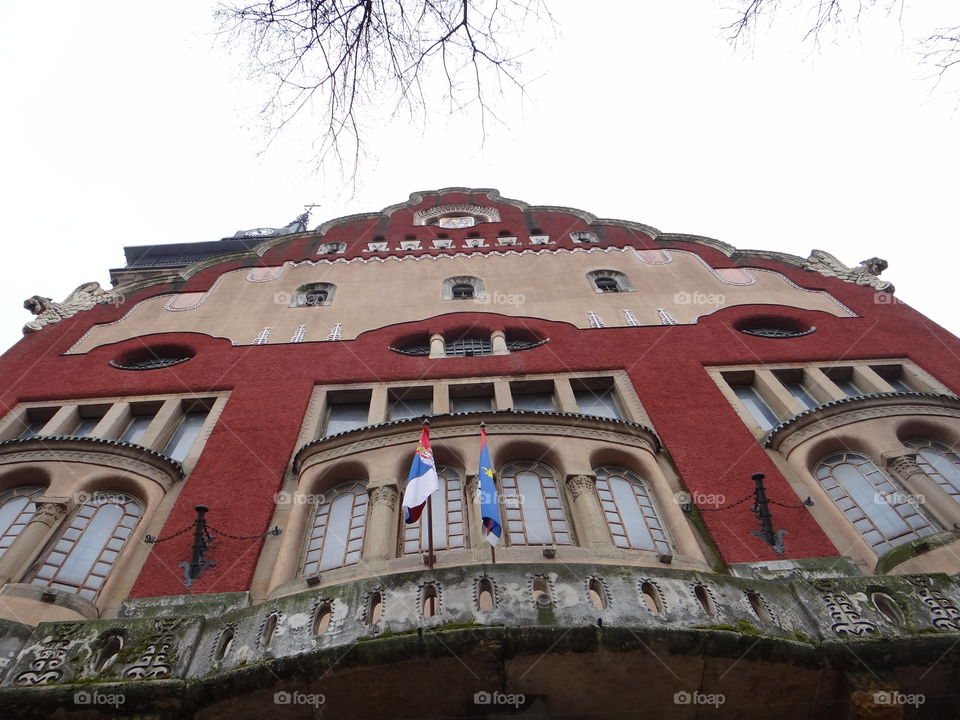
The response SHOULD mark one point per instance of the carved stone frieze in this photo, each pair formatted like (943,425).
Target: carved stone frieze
(83,298)
(47,664)
(111,456)
(846,618)
(789,437)
(316,456)
(904,466)
(50,511)
(158,657)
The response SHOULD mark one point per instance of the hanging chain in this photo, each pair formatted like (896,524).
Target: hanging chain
(153,541)
(725,507)
(805,503)
(274,531)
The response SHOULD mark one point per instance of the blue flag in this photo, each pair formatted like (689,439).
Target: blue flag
(489,505)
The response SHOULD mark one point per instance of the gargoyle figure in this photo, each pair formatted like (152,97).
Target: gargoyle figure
(83,298)
(864,274)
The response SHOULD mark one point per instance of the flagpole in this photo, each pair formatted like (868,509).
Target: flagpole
(426,424)
(493,548)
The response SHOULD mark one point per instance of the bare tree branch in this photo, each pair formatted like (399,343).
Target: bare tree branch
(343,57)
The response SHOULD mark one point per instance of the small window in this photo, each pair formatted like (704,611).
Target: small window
(321,621)
(486,599)
(456,222)
(894,376)
(331,248)
(706,602)
(842,377)
(347,411)
(755,405)
(537,395)
(185,435)
(584,237)
(595,396)
(597,595)
(33,427)
(462,291)
(471,398)
(793,381)
(462,287)
(136,428)
(430,601)
(651,597)
(468,347)
(408,403)
(314,295)
(374,608)
(606,284)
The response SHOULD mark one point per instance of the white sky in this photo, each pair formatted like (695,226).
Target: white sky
(128,123)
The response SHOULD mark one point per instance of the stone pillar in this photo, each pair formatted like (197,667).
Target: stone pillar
(23,551)
(475,522)
(499,341)
(381,530)
(437,349)
(924,488)
(587,513)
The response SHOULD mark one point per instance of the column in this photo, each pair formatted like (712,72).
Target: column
(381,530)
(587,513)
(475,521)
(924,488)
(50,511)
(499,341)
(437,349)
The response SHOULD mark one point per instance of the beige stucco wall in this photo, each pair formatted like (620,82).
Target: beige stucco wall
(373,293)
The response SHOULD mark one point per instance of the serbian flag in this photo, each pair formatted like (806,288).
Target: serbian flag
(422,480)
(489,507)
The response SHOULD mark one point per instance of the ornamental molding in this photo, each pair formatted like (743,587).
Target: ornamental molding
(50,511)
(791,434)
(406,432)
(384,495)
(83,298)
(125,457)
(489,214)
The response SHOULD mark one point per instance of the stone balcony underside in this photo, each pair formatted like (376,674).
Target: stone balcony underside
(794,646)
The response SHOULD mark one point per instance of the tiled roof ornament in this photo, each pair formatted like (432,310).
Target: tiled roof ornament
(299,224)
(866,273)
(83,298)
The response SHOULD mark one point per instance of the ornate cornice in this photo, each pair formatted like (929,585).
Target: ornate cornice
(93,451)
(791,433)
(580,484)
(500,422)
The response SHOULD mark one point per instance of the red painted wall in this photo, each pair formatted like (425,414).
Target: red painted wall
(252,443)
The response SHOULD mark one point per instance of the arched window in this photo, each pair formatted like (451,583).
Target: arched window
(88,546)
(878,508)
(607,281)
(314,295)
(449,521)
(939,461)
(462,287)
(532,504)
(336,537)
(16,509)
(629,510)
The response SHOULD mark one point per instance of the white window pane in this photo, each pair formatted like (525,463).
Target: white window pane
(402,409)
(755,406)
(179,446)
(540,401)
(598,402)
(347,416)
(137,427)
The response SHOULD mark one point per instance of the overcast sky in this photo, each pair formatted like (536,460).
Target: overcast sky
(131,123)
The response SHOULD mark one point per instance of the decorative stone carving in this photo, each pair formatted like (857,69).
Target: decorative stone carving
(448,284)
(83,298)
(864,274)
(846,619)
(384,495)
(49,511)
(47,665)
(945,615)
(487,214)
(156,661)
(580,484)
(903,466)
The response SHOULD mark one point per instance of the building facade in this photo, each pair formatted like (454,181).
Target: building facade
(731,473)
